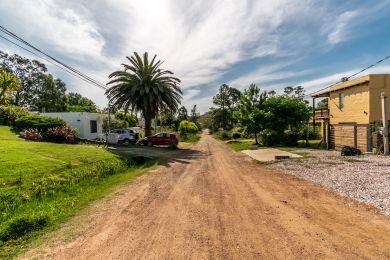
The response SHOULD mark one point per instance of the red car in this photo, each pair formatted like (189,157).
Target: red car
(160,139)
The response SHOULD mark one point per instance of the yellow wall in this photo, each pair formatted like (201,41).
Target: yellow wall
(379,83)
(356,105)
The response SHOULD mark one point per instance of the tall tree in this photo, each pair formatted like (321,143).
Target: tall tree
(8,84)
(144,87)
(50,96)
(251,115)
(78,103)
(194,114)
(182,114)
(226,100)
(29,72)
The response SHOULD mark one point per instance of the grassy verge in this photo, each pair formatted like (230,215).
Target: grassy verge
(246,144)
(43,184)
(190,138)
(241,144)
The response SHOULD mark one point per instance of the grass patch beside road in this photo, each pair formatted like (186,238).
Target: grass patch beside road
(43,184)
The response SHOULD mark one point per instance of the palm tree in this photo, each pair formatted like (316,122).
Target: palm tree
(8,83)
(143,87)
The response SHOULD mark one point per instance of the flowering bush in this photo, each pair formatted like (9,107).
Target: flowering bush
(60,134)
(31,134)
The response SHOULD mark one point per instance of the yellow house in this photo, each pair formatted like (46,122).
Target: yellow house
(354,107)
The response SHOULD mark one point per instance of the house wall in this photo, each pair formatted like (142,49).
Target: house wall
(81,121)
(356,105)
(378,83)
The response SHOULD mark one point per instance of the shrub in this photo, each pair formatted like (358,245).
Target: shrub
(41,123)
(60,134)
(270,137)
(313,135)
(23,225)
(236,135)
(186,127)
(9,114)
(222,135)
(31,134)
(290,138)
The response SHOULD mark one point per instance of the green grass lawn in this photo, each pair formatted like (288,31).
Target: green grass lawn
(245,144)
(42,184)
(241,144)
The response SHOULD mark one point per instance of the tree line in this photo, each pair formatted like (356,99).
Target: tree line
(266,116)
(27,83)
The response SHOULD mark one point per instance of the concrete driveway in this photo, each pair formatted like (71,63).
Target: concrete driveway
(268,154)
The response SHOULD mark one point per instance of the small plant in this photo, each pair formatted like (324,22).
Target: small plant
(31,134)
(60,134)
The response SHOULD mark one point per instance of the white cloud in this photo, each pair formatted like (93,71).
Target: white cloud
(199,40)
(340,27)
(60,29)
(263,76)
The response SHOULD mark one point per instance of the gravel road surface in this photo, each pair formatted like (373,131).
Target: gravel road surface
(213,203)
(364,178)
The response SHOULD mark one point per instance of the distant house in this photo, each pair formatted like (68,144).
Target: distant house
(354,107)
(89,125)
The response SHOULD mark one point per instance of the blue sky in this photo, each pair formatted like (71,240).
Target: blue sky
(207,42)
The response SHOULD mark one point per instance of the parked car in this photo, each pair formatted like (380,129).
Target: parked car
(160,139)
(123,136)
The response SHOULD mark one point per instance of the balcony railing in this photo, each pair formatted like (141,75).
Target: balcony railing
(321,113)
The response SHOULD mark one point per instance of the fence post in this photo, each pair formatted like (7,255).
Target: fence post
(385,127)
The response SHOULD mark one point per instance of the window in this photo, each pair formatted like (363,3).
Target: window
(93,125)
(341,101)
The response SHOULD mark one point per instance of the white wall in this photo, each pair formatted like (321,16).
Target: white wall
(81,121)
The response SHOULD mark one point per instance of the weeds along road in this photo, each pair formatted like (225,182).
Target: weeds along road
(213,203)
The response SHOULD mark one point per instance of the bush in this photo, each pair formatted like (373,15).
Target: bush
(313,135)
(31,134)
(60,134)
(187,127)
(41,123)
(270,137)
(22,225)
(236,135)
(9,114)
(222,135)
(290,138)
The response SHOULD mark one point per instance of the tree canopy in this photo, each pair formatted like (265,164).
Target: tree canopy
(144,87)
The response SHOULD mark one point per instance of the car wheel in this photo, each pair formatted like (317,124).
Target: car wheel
(126,142)
(150,144)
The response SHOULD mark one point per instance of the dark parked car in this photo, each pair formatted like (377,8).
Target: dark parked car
(160,139)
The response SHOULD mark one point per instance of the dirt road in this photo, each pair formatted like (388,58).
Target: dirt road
(213,203)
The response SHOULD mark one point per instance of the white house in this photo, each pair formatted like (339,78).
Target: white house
(89,125)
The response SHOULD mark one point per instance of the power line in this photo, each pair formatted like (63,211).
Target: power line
(43,58)
(51,59)
(353,75)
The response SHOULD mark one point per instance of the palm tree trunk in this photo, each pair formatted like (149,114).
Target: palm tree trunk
(148,124)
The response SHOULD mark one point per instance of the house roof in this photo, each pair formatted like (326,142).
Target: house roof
(343,85)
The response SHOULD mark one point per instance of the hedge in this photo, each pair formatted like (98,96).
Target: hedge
(42,123)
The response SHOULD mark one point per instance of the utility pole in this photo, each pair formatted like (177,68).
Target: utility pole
(109,116)
(385,130)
